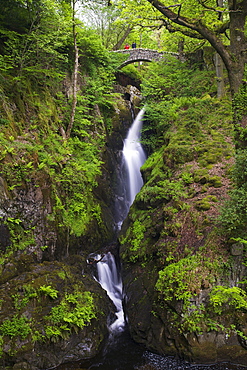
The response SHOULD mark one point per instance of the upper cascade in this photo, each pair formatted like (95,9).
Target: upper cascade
(134,157)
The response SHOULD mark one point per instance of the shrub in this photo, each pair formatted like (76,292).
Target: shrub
(233,217)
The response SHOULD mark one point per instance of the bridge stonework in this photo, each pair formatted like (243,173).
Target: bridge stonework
(146,55)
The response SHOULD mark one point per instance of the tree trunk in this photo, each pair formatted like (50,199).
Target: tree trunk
(219,76)
(219,65)
(74,79)
(238,42)
(238,48)
(74,95)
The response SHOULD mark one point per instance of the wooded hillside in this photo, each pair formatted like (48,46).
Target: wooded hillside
(64,115)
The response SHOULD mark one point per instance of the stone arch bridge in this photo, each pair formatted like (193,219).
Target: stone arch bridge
(145,55)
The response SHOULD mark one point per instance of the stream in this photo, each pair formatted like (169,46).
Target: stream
(120,352)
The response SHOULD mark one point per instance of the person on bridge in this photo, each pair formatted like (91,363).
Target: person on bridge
(134,45)
(126,46)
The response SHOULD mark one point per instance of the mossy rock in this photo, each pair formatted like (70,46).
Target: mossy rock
(201,176)
(38,299)
(215,181)
(203,205)
(178,154)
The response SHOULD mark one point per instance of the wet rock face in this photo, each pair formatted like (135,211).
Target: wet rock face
(152,324)
(4,238)
(29,207)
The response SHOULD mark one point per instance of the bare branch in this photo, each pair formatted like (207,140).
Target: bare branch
(222,28)
(179,9)
(169,27)
(203,3)
(173,6)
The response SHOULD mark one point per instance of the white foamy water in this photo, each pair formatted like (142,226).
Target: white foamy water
(110,280)
(134,157)
(108,275)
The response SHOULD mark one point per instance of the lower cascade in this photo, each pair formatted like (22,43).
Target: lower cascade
(110,280)
(108,274)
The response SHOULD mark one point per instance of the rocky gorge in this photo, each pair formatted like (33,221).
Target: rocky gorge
(183,259)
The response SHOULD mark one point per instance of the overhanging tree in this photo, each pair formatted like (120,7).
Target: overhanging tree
(234,55)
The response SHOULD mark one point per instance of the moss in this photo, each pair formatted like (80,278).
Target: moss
(200,176)
(205,203)
(136,243)
(34,298)
(215,181)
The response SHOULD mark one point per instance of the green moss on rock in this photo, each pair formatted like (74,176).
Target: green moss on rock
(50,303)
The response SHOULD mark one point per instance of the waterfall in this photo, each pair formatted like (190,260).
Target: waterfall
(134,157)
(108,274)
(110,280)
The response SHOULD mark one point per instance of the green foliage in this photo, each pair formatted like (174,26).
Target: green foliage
(239,170)
(164,81)
(138,235)
(136,242)
(48,291)
(32,47)
(15,327)
(187,126)
(20,302)
(104,20)
(62,274)
(178,280)
(135,237)
(165,190)
(29,291)
(182,280)
(72,167)
(223,298)
(154,167)
(76,310)
(187,178)
(131,71)
(233,215)
(20,236)
(240,112)
(180,112)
